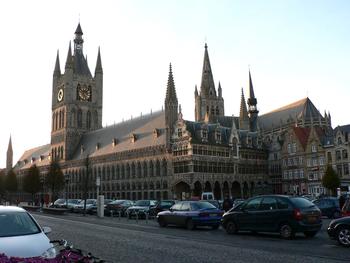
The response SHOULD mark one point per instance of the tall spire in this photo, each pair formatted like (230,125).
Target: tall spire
(219,90)
(69,61)
(9,156)
(78,40)
(243,114)
(207,84)
(57,70)
(98,68)
(170,92)
(251,100)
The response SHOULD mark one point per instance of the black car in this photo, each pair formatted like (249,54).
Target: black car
(329,206)
(118,207)
(274,213)
(339,229)
(140,209)
(161,206)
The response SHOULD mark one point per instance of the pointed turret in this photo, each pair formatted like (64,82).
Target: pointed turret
(171,107)
(78,40)
(69,61)
(195,92)
(207,84)
(170,92)
(243,114)
(57,70)
(9,156)
(98,68)
(220,90)
(252,101)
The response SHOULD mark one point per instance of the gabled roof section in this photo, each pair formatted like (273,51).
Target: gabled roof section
(343,128)
(35,154)
(301,109)
(80,65)
(302,134)
(116,138)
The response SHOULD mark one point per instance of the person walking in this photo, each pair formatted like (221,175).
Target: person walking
(227,204)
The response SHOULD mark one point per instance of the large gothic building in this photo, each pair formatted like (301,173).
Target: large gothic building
(162,155)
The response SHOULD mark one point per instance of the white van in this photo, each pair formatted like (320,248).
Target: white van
(207,196)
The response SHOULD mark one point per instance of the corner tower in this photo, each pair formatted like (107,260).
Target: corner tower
(208,101)
(253,110)
(76,100)
(171,107)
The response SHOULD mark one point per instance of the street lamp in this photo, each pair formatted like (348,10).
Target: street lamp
(66,180)
(42,191)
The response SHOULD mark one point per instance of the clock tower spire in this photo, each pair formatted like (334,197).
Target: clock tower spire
(76,101)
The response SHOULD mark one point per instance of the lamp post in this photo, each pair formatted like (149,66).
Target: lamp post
(42,191)
(66,180)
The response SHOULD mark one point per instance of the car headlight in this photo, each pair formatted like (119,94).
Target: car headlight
(52,252)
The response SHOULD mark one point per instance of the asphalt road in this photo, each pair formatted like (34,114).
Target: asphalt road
(128,241)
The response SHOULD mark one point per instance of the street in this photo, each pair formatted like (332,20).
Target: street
(122,240)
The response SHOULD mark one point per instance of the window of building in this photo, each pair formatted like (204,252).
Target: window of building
(321,160)
(301,174)
(345,154)
(301,160)
(337,155)
(346,169)
(340,170)
(339,140)
(218,136)
(285,175)
(329,157)
(313,148)
(80,118)
(296,174)
(289,148)
(314,161)
(311,176)
(290,175)
(204,134)
(179,132)
(308,162)
(294,147)
(217,110)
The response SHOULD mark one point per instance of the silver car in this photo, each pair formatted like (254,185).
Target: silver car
(21,236)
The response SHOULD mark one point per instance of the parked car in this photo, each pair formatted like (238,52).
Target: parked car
(207,196)
(237,202)
(346,208)
(161,206)
(339,229)
(213,202)
(191,214)
(274,213)
(329,206)
(117,206)
(93,208)
(21,236)
(59,203)
(72,203)
(140,208)
(79,208)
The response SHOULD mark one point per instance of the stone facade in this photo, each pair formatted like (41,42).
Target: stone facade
(161,155)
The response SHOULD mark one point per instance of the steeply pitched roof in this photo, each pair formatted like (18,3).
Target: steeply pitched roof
(302,109)
(80,65)
(34,154)
(143,128)
(302,135)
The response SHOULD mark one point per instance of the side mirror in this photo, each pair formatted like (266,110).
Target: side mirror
(170,209)
(46,230)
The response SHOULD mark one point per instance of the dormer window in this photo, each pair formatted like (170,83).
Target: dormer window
(155,133)
(313,148)
(97,146)
(179,132)
(33,160)
(133,137)
(218,136)
(114,142)
(204,134)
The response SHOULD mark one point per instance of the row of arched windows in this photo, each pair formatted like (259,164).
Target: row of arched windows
(58,120)
(213,110)
(57,153)
(79,116)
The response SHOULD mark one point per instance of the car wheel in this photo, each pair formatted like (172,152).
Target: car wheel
(231,228)
(189,224)
(161,222)
(286,231)
(214,227)
(310,233)
(343,236)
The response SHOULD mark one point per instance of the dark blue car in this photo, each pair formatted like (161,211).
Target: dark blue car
(191,214)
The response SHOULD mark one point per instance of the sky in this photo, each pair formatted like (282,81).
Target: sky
(294,49)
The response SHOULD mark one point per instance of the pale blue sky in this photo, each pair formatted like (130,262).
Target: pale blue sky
(294,48)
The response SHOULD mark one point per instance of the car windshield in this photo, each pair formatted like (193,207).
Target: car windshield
(202,205)
(60,201)
(73,201)
(301,202)
(166,203)
(17,224)
(142,203)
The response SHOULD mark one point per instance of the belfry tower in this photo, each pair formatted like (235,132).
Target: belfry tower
(76,100)
(208,101)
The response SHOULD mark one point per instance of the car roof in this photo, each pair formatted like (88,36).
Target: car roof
(11,209)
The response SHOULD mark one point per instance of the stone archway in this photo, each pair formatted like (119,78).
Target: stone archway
(182,191)
(207,187)
(217,191)
(197,191)
(225,190)
(245,190)
(236,190)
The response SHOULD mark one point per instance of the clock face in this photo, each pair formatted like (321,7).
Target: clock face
(60,94)
(84,93)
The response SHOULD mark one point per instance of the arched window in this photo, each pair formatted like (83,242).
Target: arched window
(56,121)
(62,119)
(95,124)
(53,122)
(217,110)
(234,147)
(88,120)
(207,109)
(212,110)
(80,118)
